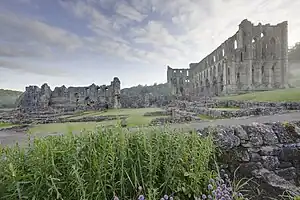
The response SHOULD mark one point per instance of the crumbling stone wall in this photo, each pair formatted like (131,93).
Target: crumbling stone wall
(255,58)
(92,97)
(269,152)
(178,80)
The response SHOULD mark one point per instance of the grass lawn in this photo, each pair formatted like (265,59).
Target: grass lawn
(3,124)
(135,118)
(291,94)
(70,126)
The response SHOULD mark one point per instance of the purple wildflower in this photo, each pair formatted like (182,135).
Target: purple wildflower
(141,197)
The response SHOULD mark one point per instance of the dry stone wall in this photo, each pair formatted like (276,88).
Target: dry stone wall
(268,152)
(218,109)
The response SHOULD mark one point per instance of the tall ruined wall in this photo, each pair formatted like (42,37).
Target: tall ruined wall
(178,80)
(255,58)
(71,98)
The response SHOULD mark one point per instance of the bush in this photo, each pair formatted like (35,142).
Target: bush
(108,162)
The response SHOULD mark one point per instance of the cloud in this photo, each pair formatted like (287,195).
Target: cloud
(35,35)
(30,68)
(145,33)
(124,9)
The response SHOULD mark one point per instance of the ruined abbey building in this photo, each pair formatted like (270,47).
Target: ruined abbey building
(93,97)
(254,59)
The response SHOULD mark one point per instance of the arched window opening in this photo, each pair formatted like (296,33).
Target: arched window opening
(264,50)
(235,44)
(238,77)
(228,75)
(262,74)
(223,52)
(273,48)
(241,56)
(254,48)
(253,81)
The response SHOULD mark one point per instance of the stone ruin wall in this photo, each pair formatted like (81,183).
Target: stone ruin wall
(269,153)
(255,58)
(36,99)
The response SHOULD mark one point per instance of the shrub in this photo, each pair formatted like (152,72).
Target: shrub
(106,163)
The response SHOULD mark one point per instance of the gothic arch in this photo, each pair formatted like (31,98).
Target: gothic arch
(273,48)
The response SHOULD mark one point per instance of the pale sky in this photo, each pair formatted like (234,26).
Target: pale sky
(80,42)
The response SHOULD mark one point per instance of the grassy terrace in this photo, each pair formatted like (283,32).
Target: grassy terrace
(292,94)
(135,118)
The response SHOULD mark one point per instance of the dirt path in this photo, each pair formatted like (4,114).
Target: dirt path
(13,136)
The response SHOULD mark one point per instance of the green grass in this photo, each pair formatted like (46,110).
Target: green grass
(292,94)
(135,118)
(69,126)
(97,165)
(3,124)
(123,111)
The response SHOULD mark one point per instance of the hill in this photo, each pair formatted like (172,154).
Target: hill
(8,98)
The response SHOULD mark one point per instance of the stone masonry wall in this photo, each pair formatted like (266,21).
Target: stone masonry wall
(268,152)
(93,97)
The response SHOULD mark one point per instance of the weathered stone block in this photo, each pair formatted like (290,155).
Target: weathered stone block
(289,153)
(255,137)
(287,174)
(270,162)
(270,151)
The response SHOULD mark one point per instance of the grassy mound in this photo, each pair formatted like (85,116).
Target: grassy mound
(292,94)
(102,163)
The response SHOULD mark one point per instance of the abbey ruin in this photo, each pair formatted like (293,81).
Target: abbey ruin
(71,98)
(253,59)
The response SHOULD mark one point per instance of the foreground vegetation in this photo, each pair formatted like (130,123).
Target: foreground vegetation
(108,162)
(292,94)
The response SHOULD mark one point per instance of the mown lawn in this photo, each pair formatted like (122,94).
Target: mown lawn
(135,118)
(292,94)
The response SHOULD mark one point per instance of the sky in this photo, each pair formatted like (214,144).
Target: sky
(80,42)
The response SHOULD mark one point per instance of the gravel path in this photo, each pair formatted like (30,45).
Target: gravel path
(12,136)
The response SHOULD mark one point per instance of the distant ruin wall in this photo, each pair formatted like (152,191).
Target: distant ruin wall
(255,58)
(71,98)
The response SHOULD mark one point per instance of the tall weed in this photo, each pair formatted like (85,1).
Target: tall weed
(107,163)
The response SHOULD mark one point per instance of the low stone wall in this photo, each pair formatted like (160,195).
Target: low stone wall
(251,104)
(158,113)
(242,108)
(259,111)
(170,120)
(269,152)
